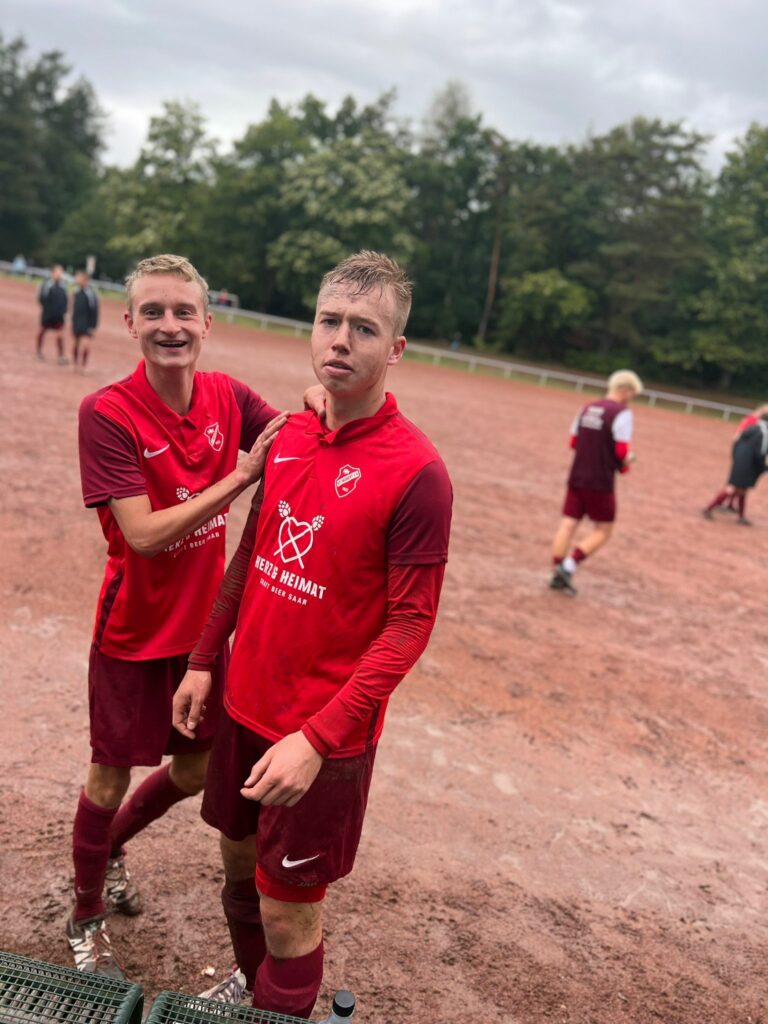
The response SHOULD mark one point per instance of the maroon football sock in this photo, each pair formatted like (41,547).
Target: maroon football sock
(578,555)
(718,500)
(60,346)
(90,851)
(40,341)
(556,560)
(151,800)
(289,986)
(732,501)
(741,504)
(243,913)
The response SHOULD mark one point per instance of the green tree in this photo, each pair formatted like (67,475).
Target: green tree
(52,137)
(731,326)
(347,196)
(454,182)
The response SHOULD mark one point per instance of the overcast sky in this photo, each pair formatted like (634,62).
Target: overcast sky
(546,70)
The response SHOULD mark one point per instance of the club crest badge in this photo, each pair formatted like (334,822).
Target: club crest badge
(347,480)
(215,437)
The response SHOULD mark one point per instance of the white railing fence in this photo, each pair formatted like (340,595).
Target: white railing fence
(438,355)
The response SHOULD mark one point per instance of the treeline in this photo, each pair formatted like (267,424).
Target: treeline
(621,250)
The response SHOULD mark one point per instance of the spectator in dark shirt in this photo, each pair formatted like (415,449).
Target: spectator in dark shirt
(53,303)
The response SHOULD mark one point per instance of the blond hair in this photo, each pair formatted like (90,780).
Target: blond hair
(166,263)
(367,270)
(625,379)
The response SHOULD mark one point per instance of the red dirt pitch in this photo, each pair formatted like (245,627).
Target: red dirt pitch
(569,816)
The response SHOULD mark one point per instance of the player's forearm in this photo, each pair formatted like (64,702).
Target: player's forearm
(148,533)
(226,607)
(412,609)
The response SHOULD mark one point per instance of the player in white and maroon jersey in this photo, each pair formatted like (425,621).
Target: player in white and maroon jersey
(334,590)
(600,436)
(158,458)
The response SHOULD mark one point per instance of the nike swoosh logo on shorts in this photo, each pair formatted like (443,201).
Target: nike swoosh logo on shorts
(287,863)
(150,455)
(287,458)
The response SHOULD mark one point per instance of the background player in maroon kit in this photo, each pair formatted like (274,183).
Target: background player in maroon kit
(158,457)
(600,437)
(336,583)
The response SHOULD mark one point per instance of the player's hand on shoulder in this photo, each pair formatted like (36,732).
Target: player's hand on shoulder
(252,465)
(189,701)
(284,773)
(314,400)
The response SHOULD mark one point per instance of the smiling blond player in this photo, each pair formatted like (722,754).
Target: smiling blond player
(158,460)
(337,581)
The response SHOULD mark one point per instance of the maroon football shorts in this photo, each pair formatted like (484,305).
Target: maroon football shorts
(53,325)
(131,709)
(599,506)
(307,845)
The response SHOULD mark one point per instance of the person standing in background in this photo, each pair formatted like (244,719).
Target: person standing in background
(52,297)
(85,318)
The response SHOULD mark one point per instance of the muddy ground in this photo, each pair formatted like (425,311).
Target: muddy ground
(569,816)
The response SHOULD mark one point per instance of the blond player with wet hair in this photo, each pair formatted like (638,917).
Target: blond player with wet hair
(334,590)
(600,437)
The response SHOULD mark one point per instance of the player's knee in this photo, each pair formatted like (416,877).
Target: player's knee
(188,773)
(291,929)
(238,857)
(107,785)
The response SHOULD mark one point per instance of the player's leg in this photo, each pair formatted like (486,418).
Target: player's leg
(242,909)
(291,972)
(104,790)
(184,776)
(86,351)
(741,505)
(726,495)
(573,511)
(39,344)
(63,361)
(77,338)
(600,506)
(86,929)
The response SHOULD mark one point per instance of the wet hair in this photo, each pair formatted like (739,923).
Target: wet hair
(167,263)
(625,379)
(367,270)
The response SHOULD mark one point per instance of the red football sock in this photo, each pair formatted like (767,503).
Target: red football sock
(289,986)
(741,504)
(151,800)
(243,913)
(90,851)
(718,500)
(578,555)
(556,560)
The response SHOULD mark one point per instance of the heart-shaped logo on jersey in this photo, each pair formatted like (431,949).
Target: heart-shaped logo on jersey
(295,539)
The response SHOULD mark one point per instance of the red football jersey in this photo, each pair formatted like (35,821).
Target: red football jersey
(339,507)
(132,443)
(597,429)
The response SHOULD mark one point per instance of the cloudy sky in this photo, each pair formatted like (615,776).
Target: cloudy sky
(547,70)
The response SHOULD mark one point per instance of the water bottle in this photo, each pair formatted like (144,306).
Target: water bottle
(342,1010)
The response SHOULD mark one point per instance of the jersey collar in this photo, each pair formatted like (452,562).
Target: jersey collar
(357,428)
(161,410)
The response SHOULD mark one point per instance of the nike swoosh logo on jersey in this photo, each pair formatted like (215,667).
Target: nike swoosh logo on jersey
(150,455)
(288,863)
(287,458)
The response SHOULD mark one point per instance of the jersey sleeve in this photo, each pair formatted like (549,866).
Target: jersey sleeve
(109,463)
(420,527)
(223,616)
(413,593)
(622,426)
(255,413)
